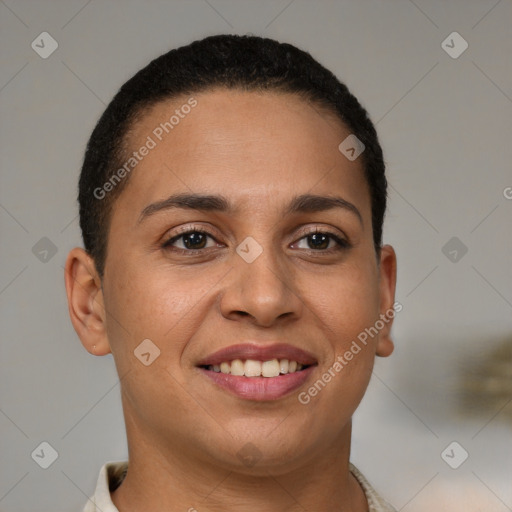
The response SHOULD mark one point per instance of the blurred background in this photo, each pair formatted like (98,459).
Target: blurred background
(434,431)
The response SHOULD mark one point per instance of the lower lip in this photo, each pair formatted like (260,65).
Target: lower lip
(260,388)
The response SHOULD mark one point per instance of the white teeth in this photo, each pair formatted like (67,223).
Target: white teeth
(253,368)
(270,368)
(237,367)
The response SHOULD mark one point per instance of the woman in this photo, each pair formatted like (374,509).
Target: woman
(231,204)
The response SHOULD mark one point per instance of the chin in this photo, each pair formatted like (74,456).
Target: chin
(264,451)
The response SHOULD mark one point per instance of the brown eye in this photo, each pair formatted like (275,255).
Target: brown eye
(318,241)
(323,241)
(191,240)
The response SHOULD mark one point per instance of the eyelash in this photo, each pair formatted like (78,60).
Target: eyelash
(341,243)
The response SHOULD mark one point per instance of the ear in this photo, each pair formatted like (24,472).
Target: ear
(85,302)
(387,283)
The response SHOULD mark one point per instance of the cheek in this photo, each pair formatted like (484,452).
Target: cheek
(157,305)
(348,307)
(347,302)
(160,304)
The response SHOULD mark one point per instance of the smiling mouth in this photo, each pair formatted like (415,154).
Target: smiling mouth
(255,368)
(256,372)
(263,382)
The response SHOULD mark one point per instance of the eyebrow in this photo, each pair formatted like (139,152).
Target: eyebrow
(305,203)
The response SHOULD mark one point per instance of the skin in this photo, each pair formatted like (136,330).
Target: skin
(184,433)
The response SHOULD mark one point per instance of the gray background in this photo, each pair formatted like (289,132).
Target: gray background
(445,125)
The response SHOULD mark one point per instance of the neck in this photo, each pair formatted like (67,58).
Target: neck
(170,478)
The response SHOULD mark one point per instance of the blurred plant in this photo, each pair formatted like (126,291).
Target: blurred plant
(486,381)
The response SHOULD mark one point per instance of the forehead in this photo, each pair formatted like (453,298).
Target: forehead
(252,146)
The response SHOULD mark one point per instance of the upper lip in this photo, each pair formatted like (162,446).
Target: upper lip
(259,352)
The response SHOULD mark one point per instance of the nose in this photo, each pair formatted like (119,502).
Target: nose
(262,292)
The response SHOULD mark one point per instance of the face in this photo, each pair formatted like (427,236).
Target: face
(276,264)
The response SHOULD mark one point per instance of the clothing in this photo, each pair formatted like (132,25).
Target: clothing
(113,473)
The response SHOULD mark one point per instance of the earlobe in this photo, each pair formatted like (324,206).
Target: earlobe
(387,285)
(85,302)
